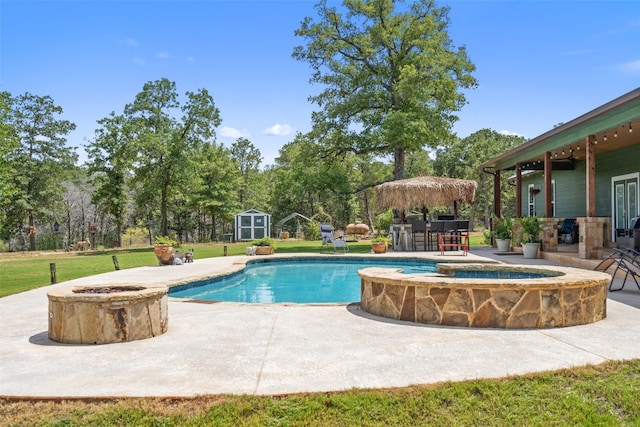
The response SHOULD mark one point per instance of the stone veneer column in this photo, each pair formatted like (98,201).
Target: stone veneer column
(591,240)
(549,234)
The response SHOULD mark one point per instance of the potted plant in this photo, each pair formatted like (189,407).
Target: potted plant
(164,249)
(379,244)
(530,236)
(503,234)
(264,246)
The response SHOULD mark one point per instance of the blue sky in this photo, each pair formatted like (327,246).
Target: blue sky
(538,63)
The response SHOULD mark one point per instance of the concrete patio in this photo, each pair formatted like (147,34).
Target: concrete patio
(213,348)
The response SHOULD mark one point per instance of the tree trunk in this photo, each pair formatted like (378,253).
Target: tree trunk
(164,224)
(213,228)
(119,231)
(398,163)
(367,209)
(32,233)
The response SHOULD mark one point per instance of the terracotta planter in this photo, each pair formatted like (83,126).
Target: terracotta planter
(284,235)
(379,248)
(264,250)
(164,253)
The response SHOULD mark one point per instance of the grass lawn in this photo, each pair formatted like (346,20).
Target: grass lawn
(604,395)
(21,271)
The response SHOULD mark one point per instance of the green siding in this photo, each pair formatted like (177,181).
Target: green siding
(571,185)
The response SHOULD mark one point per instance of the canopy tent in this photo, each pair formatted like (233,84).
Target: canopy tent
(422,191)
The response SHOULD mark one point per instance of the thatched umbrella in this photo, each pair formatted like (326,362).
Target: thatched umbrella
(424,191)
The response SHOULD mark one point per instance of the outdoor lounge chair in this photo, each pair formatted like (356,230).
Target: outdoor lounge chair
(568,231)
(624,260)
(326,233)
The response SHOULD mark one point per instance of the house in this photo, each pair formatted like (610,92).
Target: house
(588,169)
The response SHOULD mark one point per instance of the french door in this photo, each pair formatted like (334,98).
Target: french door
(625,199)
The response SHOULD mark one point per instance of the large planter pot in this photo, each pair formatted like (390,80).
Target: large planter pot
(264,250)
(503,245)
(379,248)
(530,250)
(164,253)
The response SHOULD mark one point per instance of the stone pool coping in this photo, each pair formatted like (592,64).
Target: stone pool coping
(566,296)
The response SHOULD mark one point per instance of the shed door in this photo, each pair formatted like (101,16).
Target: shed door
(625,203)
(258,227)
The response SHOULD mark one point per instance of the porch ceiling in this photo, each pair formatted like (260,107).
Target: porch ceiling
(567,141)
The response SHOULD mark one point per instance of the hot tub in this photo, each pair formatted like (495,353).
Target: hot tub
(487,296)
(104,314)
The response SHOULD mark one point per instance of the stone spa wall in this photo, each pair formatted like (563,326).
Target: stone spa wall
(564,296)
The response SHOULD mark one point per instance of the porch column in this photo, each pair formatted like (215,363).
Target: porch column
(591,229)
(496,194)
(518,190)
(549,234)
(548,167)
(591,176)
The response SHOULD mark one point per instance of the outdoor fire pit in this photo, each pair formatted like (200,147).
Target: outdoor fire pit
(104,314)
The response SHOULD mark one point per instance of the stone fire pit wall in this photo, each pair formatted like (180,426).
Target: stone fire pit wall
(107,314)
(564,297)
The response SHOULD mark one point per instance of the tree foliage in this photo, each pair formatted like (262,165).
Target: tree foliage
(463,159)
(36,149)
(252,189)
(167,145)
(111,156)
(390,73)
(218,184)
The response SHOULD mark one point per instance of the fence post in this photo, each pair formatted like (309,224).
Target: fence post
(115,262)
(225,250)
(52,269)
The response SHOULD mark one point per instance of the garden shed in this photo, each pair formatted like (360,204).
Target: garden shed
(251,225)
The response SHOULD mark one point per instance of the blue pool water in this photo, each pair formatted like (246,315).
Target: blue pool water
(301,281)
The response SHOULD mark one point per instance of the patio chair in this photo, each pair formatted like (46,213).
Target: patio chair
(567,231)
(626,261)
(419,233)
(433,235)
(326,233)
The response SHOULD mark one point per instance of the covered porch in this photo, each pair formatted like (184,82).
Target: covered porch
(587,169)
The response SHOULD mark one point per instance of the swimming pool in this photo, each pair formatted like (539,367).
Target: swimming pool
(301,281)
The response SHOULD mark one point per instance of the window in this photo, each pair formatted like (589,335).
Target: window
(532,199)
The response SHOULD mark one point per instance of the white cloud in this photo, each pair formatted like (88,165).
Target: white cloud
(162,55)
(190,59)
(509,133)
(229,132)
(632,67)
(279,130)
(138,61)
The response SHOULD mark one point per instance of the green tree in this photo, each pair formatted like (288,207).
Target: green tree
(167,145)
(41,158)
(8,143)
(463,159)
(391,74)
(217,185)
(111,155)
(308,182)
(252,192)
